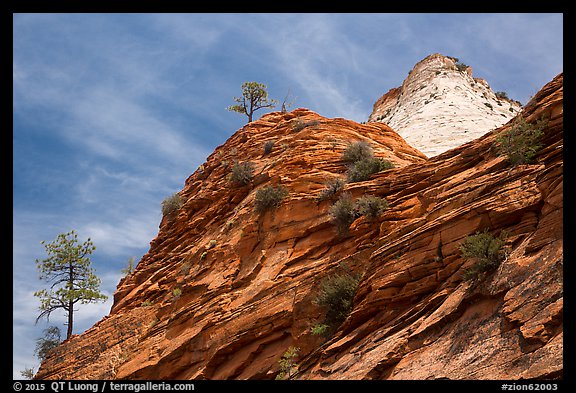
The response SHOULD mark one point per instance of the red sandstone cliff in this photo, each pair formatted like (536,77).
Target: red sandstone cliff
(223,291)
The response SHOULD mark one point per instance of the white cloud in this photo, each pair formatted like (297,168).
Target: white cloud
(104,120)
(315,54)
(114,125)
(121,237)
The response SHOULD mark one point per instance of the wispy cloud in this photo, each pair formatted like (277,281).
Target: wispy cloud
(105,114)
(315,57)
(113,112)
(121,238)
(110,124)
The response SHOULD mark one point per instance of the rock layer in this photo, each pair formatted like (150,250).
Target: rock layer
(441,106)
(223,291)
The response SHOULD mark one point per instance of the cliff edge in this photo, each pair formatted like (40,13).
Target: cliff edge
(225,291)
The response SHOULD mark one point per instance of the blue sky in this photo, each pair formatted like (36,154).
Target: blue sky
(112,112)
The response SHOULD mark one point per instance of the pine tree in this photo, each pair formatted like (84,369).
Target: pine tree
(72,278)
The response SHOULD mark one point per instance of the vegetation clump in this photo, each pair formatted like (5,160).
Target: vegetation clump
(332,188)
(242,173)
(343,213)
(320,329)
(49,341)
(287,363)
(336,297)
(362,170)
(130,268)
(357,151)
(299,124)
(371,206)
(521,141)
(460,66)
(361,162)
(171,204)
(268,146)
(269,197)
(44,345)
(485,249)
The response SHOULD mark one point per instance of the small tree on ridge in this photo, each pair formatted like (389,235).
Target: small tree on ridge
(254,97)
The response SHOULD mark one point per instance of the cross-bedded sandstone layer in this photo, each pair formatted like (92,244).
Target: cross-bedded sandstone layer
(224,291)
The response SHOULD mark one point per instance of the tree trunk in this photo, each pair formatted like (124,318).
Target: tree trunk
(70,319)
(251,110)
(70,302)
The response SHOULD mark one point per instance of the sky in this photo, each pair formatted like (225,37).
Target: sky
(112,112)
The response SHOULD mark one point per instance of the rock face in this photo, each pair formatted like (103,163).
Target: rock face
(224,291)
(441,106)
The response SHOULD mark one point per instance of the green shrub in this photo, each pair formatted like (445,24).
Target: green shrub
(287,364)
(343,213)
(333,187)
(320,329)
(336,296)
(460,66)
(28,373)
(363,169)
(242,173)
(49,341)
(357,151)
(521,141)
(171,204)
(371,206)
(502,95)
(361,162)
(485,249)
(229,224)
(130,268)
(269,197)
(299,124)
(177,292)
(268,146)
